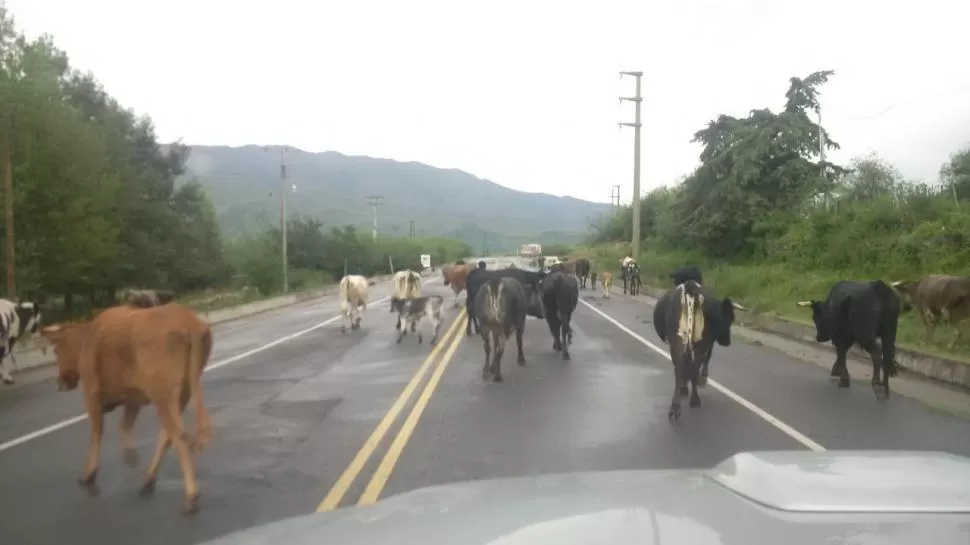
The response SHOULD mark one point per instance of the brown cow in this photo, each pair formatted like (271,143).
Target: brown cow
(457,277)
(607,283)
(132,357)
(935,296)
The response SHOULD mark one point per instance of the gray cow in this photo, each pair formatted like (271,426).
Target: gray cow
(501,305)
(413,309)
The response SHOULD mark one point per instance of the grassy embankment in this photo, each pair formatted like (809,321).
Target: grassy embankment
(769,288)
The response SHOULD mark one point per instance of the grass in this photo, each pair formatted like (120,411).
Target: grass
(770,289)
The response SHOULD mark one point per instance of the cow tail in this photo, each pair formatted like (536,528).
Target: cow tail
(344,284)
(690,328)
(200,346)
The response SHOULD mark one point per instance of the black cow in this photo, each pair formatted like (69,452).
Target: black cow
(501,305)
(592,280)
(859,312)
(631,277)
(716,327)
(685,273)
(16,319)
(582,271)
(531,281)
(560,295)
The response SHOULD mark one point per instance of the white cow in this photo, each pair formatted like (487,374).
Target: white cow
(16,320)
(353,299)
(406,285)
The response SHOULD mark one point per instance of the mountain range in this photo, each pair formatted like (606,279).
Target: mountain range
(244,183)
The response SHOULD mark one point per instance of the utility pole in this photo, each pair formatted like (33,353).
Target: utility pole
(374,201)
(636,99)
(411,231)
(6,152)
(283,226)
(615,196)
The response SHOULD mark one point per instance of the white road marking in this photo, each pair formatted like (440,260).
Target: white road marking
(65,423)
(788,430)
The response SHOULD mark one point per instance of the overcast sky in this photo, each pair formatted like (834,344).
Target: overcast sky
(523,93)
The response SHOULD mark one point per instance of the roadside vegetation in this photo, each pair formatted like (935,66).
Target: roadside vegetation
(770,223)
(97,207)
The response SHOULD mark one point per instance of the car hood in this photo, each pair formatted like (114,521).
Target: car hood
(794,498)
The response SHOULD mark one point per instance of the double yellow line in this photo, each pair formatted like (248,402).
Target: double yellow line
(386,467)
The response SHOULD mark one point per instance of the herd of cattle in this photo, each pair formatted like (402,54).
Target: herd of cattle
(152,350)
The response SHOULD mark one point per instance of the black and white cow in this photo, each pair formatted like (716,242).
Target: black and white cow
(16,319)
(412,310)
(630,270)
(501,305)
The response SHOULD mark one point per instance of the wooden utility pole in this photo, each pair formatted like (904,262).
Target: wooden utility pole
(6,152)
(636,99)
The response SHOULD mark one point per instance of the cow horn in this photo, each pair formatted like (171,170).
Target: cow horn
(898,283)
(804,303)
(51,328)
(737,306)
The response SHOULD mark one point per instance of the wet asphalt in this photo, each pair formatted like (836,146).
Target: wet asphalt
(289,419)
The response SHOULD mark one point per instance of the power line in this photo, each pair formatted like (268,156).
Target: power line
(636,99)
(615,195)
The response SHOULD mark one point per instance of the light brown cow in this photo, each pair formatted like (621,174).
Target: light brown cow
(132,357)
(457,277)
(607,280)
(935,296)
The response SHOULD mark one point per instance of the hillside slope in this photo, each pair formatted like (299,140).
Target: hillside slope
(243,183)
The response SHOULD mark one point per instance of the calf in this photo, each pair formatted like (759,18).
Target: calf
(935,296)
(501,305)
(560,295)
(353,300)
(607,283)
(592,280)
(412,310)
(582,271)
(531,281)
(16,320)
(859,312)
(406,285)
(718,318)
(132,357)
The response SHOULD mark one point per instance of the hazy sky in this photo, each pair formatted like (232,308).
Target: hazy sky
(523,93)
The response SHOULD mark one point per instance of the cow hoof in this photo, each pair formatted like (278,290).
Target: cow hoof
(8,380)
(131,457)
(521,360)
(695,402)
(497,378)
(420,339)
(191,506)
(673,414)
(566,356)
(882,393)
(844,382)
(343,329)
(702,381)
(147,489)
(486,375)
(89,485)
(684,391)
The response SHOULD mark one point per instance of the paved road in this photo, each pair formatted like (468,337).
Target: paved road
(292,422)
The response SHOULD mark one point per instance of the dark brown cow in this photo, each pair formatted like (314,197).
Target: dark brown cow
(132,357)
(935,296)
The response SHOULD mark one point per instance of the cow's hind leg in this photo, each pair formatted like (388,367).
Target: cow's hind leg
(5,375)
(128,435)
(880,381)
(694,376)
(555,326)
(519,332)
(499,337)
(674,412)
(169,414)
(487,370)
(161,447)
